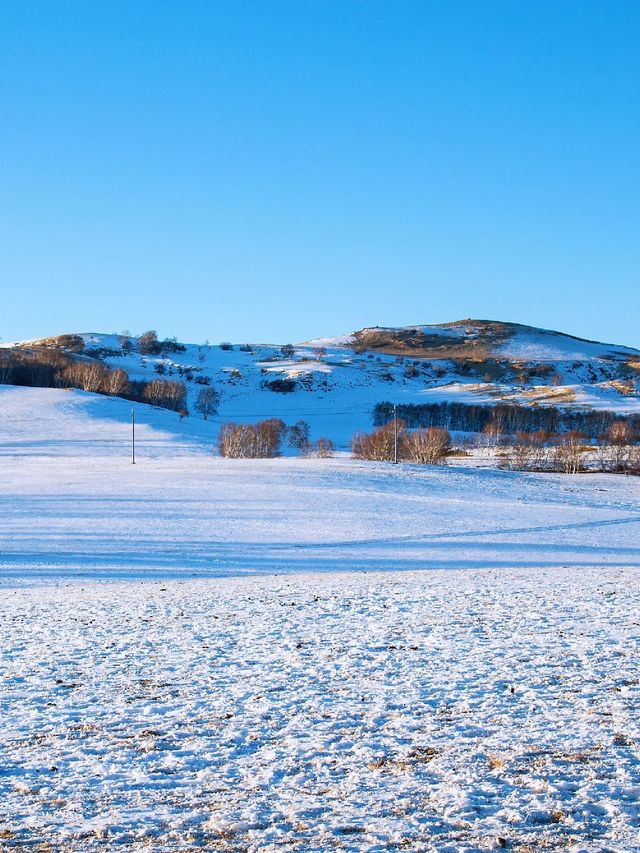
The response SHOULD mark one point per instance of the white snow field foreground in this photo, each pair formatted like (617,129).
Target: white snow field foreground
(312,655)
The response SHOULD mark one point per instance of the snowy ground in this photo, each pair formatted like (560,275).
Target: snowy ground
(307,654)
(437,711)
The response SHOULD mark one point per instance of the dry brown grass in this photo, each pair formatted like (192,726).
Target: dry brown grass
(550,394)
(482,340)
(623,386)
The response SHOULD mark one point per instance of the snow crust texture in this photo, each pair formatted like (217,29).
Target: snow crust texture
(439,711)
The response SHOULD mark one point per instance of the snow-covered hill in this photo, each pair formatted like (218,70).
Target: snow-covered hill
(334,383)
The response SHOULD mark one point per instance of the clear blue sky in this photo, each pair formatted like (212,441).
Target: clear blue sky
(276,170)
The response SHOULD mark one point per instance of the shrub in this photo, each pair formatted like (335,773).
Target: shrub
(378,445)
(167,393)
(102,352)
(148,343)
(426,446)
(298,434)
(251,441)
(570,452)
(324,448)
(227,346)
(126,344)
(171,345)
(288,350)
(281,386)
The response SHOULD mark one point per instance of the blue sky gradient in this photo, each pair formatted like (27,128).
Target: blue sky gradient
(273,171)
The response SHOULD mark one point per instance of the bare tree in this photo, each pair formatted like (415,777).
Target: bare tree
(86,375)
(324,448)
(379,445)
(148,343)
(298,434)
(117,383)
(251,441)
(570,452)
(207,402)
(6,367)
(167,393)
(615,448)
(427,446)
(492,433)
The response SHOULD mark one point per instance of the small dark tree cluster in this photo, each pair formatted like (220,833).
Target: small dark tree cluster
(508,418)
(148,344)
(298,434)
(281,386)
(207,402)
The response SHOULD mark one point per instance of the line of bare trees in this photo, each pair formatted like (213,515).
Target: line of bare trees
(264,439)
(616,450)
(53,368)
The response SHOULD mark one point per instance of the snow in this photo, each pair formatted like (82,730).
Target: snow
(430,711)
(541,345)
(601,396)
(199,653)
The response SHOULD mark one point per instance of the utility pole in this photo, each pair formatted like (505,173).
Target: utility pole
(133,436)
(395,435)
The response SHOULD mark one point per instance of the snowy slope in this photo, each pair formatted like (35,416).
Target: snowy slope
(183,509)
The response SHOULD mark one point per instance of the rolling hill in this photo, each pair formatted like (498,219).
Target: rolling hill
(334,383)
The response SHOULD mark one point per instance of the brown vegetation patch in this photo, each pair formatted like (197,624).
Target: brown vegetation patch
(479,342)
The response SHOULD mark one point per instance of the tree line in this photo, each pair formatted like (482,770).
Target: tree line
(54,368)
(507,418)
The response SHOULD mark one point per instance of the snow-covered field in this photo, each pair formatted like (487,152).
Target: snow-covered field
(312,655)
(436,711)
